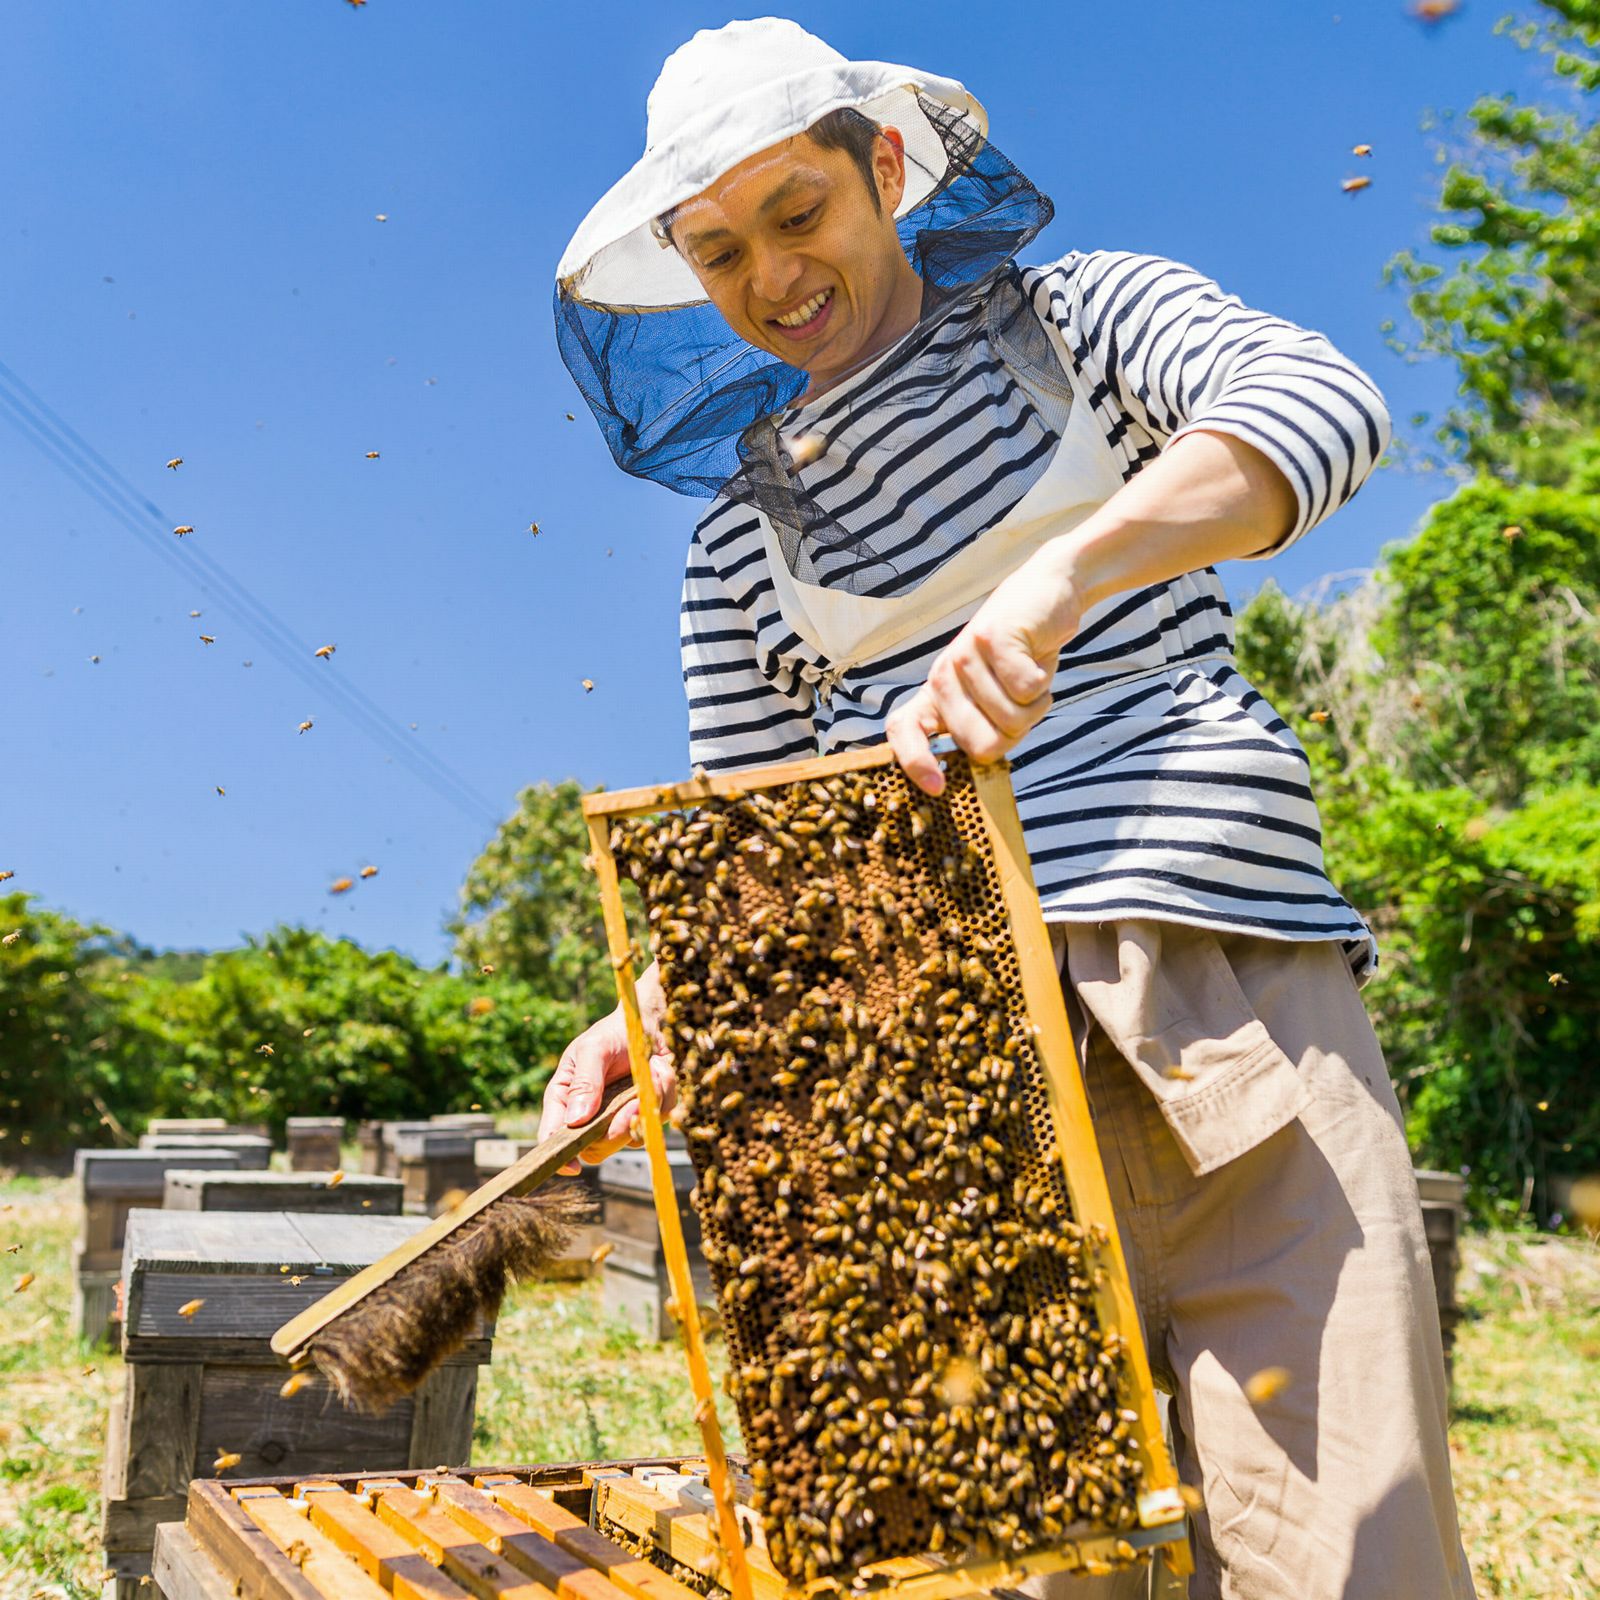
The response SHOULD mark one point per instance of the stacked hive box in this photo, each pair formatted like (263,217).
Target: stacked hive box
(634,1283)
(254,1150)
(111,1183)
(624,1530)
(205,1293)
(313,1143)
(282,1191)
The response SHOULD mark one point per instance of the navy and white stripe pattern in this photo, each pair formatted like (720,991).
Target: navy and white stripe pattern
(1161,783)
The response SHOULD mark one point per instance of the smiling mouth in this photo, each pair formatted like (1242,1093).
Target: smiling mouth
(805,319)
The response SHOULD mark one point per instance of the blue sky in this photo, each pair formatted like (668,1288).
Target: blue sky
(191,265)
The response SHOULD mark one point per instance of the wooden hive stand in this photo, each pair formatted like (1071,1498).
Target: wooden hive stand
(355,1194)
(205,1292)
(313,1143)
(111,1183)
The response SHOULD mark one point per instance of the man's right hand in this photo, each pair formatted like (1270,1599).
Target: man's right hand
(598,1056)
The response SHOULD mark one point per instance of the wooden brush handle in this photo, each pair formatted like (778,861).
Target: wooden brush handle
(539,1165)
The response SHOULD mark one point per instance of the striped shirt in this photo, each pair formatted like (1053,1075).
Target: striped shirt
(1161,783)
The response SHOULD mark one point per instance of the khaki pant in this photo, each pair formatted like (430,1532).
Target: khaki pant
(1261,1179)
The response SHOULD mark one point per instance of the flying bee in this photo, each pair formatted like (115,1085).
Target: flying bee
(1319,716)
(588,685)
(8,873)
(326,651)
(372,455)
(369,872)
(1361,150)
(208,638)
(305,727)
(264,1050)
(174,463)
(339,885)
(220,790)
(189,1307)
(12,937)
(228,1458)
(182,529)
(1352,185)
(294,1383)
(1265,1385)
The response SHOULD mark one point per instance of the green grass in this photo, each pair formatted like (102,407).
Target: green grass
(566,1383)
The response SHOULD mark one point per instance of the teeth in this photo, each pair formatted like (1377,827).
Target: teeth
(799,317)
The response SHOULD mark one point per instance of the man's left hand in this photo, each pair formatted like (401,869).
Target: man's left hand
(991,683)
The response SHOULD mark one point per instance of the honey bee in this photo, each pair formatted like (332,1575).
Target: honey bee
(228,1458)
(600,1252)
(1513,532)
(8,873)
(588,685)
(1361,150)
(806,448)
(326,651)
(382,216)
(294,1383)
(182,529)
(95,660)
(305,727)
(372,455)
(220,790)
(23,1282)
(12,937)
(480,1005)
(264,1050)
(486,970)
(208,638)
(1431,11)
(174,463)
(1319,716)
(533,528)
(570,417)
(369,872)
(1265,1385)
(335,1179)
(1351,185)
(189,1307)
(1556,979)
(194,613)
(339,885)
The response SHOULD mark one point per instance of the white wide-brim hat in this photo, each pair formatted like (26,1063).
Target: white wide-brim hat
(722,97)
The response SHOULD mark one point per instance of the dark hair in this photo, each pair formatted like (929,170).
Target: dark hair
(845,129)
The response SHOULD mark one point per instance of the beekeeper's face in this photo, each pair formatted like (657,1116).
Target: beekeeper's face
(801,256)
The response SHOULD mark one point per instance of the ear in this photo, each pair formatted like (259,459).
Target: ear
(889,168)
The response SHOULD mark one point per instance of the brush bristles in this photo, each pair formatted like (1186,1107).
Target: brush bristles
(384,1346)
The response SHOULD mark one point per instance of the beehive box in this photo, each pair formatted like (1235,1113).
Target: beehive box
(313,1143)
(634,1285)
(492,1156)
(254,1150)
(205,1291)
(932,1341)
(353,1194)
(111,1183)
(434,1163)
(622,1530)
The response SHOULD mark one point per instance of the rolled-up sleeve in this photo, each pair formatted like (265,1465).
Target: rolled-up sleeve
(743,711)
(1181,355)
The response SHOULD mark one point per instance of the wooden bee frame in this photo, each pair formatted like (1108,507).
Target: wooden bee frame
(1160,1509)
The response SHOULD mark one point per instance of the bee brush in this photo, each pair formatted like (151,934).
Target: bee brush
(380,1333)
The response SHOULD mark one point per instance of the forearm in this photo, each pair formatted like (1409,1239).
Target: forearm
(1209,497)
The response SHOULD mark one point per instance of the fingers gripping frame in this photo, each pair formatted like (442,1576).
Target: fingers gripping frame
(1084,1543)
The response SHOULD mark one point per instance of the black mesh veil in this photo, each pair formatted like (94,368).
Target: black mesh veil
(688,403)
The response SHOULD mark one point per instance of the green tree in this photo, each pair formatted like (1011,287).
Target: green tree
(1518,311)
(530,907)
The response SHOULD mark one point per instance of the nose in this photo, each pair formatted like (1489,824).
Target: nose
(774,272)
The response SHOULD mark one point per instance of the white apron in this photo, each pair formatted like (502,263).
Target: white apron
(848,629)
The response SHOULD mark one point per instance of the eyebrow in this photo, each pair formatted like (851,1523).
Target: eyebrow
(791,185)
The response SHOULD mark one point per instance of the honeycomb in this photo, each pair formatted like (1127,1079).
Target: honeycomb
(914,1348)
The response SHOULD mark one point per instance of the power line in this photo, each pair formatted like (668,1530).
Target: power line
(30,416)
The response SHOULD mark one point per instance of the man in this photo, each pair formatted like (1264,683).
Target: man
(954,496)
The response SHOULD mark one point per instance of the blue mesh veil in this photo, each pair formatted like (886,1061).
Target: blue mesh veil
(683,400)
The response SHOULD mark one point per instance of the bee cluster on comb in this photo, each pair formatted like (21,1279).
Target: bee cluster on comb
(909,1305)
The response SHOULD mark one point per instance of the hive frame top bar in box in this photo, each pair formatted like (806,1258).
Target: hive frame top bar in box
(995,881)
